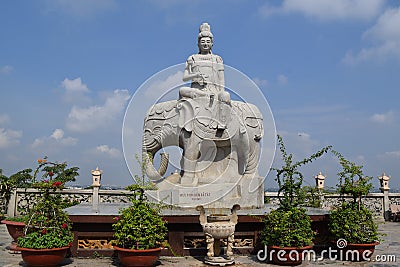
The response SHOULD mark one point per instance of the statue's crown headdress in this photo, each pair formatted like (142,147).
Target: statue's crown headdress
(205,30)
(205,27)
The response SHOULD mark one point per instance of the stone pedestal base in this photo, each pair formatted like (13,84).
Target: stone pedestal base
(219,261)
(214,195)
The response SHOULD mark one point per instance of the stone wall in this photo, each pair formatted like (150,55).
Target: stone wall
(23,199)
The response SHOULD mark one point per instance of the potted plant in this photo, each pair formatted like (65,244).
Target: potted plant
(15,225)
(287,232)
(351,224)
(47,232)
(140,231)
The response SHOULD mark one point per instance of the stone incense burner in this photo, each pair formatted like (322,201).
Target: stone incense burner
(217,227)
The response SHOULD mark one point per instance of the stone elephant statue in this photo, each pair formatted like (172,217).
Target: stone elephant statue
(209,152)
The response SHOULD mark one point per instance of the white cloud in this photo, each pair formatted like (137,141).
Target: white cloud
(75,91)
(94,117)
(109,151)
(385,36)
(159,87)
(9,137)
(75,85)
(58,134)
(6,70)
(38,142)
(4,118)
(260,82)
(387,26)
(360,158)
(395,154)
(282,79)
(381,52)
(81,8)
(383,118)
(57,137)
(389,156)
(328,9)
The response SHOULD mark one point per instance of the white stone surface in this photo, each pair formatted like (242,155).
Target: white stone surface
(220,139)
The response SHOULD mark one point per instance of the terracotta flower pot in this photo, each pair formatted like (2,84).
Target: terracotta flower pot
(15,229)
(43,257)
(358,252)
(133,257)
(289,256)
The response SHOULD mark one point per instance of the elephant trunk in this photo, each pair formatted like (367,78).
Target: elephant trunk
(151,172)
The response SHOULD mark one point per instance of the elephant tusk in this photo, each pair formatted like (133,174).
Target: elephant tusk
(164,163)
(153,174)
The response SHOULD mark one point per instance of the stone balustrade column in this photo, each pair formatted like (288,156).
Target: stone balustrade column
(320,181)
(96,175)
(11,206)
(384,181)
(320,185)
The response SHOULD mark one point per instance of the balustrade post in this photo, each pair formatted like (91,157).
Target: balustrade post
(96,175)
(12,204)
(384,181)
(320,185)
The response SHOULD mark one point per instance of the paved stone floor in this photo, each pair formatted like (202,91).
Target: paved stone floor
(389,247)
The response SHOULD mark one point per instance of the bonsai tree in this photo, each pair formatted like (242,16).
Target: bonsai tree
(351,220)
(47,225)
(289,225)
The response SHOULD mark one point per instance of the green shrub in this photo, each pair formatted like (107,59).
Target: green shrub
(354,224)
(140,226)
(289,228)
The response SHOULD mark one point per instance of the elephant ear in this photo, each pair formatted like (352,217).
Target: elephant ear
(186,115)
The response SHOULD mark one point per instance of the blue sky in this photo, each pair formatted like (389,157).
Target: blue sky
(329,70)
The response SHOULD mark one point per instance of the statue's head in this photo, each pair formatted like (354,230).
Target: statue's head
(205,38)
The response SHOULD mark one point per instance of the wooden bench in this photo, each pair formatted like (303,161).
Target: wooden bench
(395,210)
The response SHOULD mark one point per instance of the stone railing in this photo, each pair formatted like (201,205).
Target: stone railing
(3,206)
(22,199)
(374,201)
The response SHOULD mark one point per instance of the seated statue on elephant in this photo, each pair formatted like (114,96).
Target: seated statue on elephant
(206,71)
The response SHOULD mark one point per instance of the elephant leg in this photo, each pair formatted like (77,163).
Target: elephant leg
(189,160)
(253,157)
(243,150)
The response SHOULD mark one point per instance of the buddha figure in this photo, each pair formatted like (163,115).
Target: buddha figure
(206,71)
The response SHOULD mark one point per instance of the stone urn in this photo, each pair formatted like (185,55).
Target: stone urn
(215,228)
